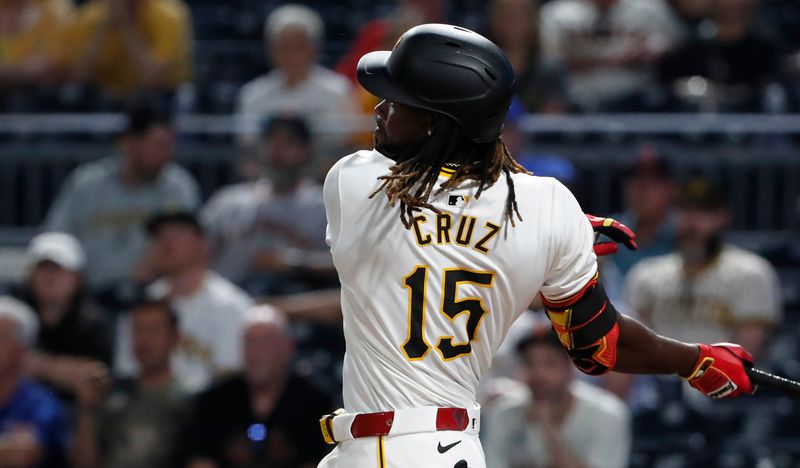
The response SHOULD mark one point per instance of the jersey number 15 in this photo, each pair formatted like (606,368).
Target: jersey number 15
(415,347)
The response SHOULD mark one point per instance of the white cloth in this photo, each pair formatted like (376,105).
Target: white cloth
(211,326)
(444,449)
(738,286)
(382,266)
(596,430)
(245,218)
(107,216)
(323,95)
(578,29)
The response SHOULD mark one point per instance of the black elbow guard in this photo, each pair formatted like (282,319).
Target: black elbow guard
(586,325)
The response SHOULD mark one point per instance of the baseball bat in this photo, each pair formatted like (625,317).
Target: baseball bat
(772,381)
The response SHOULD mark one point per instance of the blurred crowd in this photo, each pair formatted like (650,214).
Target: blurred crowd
(571,56)
(153,328)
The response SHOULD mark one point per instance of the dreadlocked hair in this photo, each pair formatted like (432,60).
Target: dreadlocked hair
(412,180)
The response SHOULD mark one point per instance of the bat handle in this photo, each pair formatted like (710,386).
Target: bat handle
(765,379)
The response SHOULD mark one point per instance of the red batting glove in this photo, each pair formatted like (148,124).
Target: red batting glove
(720,371)
(616,231)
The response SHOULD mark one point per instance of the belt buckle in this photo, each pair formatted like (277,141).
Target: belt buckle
(326,426)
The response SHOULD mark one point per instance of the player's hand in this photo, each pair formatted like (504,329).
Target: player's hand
(720,371)
(613,229)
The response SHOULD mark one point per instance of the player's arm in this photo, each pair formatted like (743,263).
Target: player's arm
(599,339)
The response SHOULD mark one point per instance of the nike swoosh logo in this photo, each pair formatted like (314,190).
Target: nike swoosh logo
(443,449)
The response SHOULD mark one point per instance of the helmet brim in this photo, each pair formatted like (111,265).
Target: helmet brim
(373,74)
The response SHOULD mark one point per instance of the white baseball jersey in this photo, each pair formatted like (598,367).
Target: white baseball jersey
(425,308)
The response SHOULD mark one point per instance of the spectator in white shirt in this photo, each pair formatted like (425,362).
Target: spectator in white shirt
(297,84)
(553,420)
(707,290)
(269,235)
(104,203)
(609,47)
(210,308)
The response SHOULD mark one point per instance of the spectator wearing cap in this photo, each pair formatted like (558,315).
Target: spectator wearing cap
(140,424)
(297,84)
(73,344)
(649,193)
(209,307)
(264,416)
(105,203)
(707,290)
(269,235)
(552,419)
(130,46)
(33,433)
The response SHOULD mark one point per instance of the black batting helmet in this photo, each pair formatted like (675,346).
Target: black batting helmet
(445,69)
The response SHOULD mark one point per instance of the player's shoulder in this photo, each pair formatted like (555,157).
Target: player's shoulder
(656,269)
(745,262)
(364,160)
(88,176)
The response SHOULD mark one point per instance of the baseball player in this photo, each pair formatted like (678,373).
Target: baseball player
(441,240)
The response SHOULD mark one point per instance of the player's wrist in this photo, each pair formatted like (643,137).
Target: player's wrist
(690,365)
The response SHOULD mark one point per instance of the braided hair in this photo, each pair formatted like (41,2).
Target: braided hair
(412,180)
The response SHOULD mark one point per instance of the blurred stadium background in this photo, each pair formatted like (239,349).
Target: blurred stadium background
(700,123)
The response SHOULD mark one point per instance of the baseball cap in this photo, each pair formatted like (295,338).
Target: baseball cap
(60,248)
(703,193)
(161,218)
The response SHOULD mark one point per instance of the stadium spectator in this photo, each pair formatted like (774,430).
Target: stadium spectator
(707,290)
(381,33)
(104,203)
(209,307)
(266,416)
(30,34)
(609,48)
(130,46)
(297,84)
(141,423)
(726,70)
(692,14)
(554,420)
(649,208)
(269,235)
(541,84)
(33,433)
(74,340)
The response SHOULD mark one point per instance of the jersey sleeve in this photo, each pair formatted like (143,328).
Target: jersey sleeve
(333,205)
(572,262)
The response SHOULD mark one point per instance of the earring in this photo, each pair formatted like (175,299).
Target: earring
(430,132)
